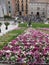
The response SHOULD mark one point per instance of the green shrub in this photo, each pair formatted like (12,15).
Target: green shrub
(0,24)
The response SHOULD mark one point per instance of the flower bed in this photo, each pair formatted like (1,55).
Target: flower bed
(45,29)
(32,47)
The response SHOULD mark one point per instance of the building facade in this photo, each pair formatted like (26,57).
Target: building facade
(7,7)
(41,7)
(21,7)
(28,7)
(25,7)
(3,10)
(10,7)
(1,13)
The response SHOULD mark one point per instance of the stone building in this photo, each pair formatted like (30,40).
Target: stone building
(22,7)
(26,7)
(10,7)
(7,7)
(3,10)
(40,7)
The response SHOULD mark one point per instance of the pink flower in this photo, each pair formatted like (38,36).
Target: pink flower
(32,44)
(8,55)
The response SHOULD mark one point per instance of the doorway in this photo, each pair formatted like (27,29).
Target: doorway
(37,14)
(20,13)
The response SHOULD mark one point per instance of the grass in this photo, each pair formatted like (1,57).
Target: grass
(23,24)
(34,25)
(40,25)
(4,40)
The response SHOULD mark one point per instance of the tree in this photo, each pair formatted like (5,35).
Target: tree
(0,26)
(6,23)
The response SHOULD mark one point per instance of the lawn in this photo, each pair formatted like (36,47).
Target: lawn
(34,25)
(40,25)
(5,39)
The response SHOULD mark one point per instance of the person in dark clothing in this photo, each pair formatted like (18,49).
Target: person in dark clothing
(29,24)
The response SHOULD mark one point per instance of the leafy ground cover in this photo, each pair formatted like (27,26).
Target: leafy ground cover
(31,47)
(5,39)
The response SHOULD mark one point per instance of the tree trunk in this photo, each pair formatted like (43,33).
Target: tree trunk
(6,27)
(0,30)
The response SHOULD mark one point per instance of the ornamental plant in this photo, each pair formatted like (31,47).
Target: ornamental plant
(32,47)
(7,24)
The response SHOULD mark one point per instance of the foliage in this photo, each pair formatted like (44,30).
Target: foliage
(0,24)
(6,23)
(6,16)
(4,40)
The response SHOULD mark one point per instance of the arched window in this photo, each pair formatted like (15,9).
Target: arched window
(22,6)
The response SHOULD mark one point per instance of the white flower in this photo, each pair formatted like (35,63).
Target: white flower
(48,52)
(28,43)
(43,57)
(8,51)
(23,52)
(48,37)
(24,61)
(10,46)
(47,58)
(40,53)
(37,43)
(44,48)
(33,47)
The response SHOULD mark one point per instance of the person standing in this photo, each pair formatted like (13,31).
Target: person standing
(29,24)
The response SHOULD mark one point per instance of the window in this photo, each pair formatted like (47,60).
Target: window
(26,11)
(26,0)
(26,4)
(8,2)
(18,1)
(22,0)
(26,7)
(18,7)
(9,11)
(22,8)
(43,13)
(16,4)
(38,8)
(9,7)
(31,12)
